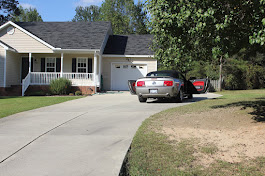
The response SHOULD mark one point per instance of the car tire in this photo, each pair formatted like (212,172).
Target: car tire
(142,100)
(180,97)
(190,96)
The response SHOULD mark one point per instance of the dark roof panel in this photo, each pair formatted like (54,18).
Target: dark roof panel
(69,35)
(129,45)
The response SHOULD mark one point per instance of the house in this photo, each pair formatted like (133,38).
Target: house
(87,53)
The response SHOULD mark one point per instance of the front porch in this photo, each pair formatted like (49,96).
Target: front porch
(41,69)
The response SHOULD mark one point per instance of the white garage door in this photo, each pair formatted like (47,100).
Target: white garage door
(122,72)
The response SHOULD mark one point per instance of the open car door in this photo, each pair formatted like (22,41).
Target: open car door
(131,85)
(201,85)
(190,88)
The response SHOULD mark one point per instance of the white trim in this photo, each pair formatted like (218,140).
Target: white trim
(28,33)
(5,69)
(92,51)
(30,57)
(6,47)
(109,55)
(95,71)
(81,67)
(123,63)
(100,70)
(50,67)
(61,65)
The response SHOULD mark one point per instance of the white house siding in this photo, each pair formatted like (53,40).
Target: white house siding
(2,62)
(106,67)
(22,42)
(13,68)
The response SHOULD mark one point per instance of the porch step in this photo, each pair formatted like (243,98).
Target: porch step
(14,90)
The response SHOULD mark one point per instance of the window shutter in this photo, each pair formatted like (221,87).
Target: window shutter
(42,64)
(32,65)
(89,65)
(58,64)
(74,65)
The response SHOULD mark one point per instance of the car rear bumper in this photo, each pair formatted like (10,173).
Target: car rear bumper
(162,92)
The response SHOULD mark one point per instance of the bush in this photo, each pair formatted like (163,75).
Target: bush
(60,86)
(78,93)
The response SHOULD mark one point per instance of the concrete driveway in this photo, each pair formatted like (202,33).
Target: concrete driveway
(88,136)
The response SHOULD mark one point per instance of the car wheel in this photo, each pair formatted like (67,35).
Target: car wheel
(190,96)
(180,97)
(142,100)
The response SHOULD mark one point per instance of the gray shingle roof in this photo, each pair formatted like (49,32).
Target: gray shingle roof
(69,35)
(129,45)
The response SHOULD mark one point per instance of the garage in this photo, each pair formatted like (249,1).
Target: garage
(122,72)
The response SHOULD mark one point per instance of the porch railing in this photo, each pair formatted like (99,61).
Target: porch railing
(84,76)
(25,84)
(44,78)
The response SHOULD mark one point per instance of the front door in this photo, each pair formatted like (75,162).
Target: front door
(25,67)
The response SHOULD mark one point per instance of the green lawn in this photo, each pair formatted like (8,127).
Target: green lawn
(12,105)
(153,153)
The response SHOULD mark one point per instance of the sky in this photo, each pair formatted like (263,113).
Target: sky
(57,10)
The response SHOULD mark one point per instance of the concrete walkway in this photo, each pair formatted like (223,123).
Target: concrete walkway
(88,136)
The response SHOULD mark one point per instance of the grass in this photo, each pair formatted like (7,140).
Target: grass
(13,105)
(152,153)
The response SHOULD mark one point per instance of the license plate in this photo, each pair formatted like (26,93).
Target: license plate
(154,91)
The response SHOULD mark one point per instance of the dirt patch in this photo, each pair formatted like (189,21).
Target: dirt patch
(228,134)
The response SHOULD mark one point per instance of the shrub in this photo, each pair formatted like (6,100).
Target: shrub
(71,94)
(60,86)
(78,93)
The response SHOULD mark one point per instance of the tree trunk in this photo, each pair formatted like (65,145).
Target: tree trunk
(220,76)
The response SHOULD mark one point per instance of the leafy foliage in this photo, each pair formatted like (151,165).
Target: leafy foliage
(60,86)
(119,13)
(90,13)
(27,15)
(185,31)
(125,16)
(6,8)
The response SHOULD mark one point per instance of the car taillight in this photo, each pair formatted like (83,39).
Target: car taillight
(168,83)
(140,84)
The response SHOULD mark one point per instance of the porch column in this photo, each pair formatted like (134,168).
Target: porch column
(95,70)
(61,65)
(30,62)
(99,70)
(5,68)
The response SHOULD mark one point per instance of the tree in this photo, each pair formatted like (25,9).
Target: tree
(140,19)
(190,30)
(27,15)
(6,8)
(125,16)
(90,13)
(119,13)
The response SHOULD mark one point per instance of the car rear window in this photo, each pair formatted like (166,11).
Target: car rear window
(170,74)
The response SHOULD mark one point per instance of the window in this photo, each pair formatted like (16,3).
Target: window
(82,65)
(50,64)
(133,66)
(125,66)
